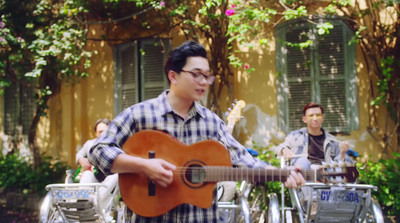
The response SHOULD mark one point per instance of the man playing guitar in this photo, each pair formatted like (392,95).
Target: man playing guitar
(178,113)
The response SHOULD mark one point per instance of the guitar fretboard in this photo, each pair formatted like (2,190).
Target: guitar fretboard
(215,174)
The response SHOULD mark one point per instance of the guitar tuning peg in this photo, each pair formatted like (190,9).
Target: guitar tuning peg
(229,109)
(335,164)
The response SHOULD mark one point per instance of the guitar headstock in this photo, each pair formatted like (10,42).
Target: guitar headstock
(338,173)
(235,113)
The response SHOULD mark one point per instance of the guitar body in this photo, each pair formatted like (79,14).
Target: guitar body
(199,167)
(185,188)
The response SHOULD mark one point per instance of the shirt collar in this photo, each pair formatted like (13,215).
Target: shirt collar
(166,107)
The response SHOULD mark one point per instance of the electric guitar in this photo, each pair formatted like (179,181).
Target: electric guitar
(235,114)
(225,191)
(199,167)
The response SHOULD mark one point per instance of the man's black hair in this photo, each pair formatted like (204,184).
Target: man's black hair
(176,59)
(312,105)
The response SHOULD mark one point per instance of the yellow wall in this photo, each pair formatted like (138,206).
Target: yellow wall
(74,111)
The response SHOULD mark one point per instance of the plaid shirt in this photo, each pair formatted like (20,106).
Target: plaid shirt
(297,141)
(157,114)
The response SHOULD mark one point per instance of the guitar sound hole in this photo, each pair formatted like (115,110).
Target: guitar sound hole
(195,174)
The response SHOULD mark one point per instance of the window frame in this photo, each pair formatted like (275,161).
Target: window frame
(22,109)
(350,76)
(139,71)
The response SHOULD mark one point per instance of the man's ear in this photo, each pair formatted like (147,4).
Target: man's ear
(304,119)
(172,77)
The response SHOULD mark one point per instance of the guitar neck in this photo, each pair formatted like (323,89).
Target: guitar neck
(215,174)
(230,126)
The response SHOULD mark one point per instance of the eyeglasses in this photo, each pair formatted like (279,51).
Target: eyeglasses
(198,77)
(318,116)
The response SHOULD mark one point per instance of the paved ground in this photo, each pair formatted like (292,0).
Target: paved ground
(20,216)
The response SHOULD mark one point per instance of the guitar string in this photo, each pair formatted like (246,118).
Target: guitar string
(222,173)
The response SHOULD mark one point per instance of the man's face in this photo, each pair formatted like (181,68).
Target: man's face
(101,127)
(186,85)
(313,118)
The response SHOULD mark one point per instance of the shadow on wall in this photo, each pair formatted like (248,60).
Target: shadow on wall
(257,128)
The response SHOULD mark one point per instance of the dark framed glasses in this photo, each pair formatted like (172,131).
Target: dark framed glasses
(198,77)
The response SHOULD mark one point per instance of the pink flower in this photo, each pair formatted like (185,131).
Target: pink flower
(229,12)
(162,4)
(233,6)
(246,66)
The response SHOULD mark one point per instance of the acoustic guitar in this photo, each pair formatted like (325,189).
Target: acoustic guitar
(199,167)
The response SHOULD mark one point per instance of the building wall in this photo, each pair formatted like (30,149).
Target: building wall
(74,111)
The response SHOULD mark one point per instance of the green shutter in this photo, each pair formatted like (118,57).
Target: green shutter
(125,82)
(152,68)
(139,71)
(11,113)
(332,82)
(19,108)
(299,76)
(128,76)
(28,108)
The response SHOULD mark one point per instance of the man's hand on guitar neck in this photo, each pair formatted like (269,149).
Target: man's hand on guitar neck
(295,178)
(84,162)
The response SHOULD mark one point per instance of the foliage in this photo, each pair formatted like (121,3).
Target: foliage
(202,21)
(385,175)
(42,43)
(268,155)
(17,174)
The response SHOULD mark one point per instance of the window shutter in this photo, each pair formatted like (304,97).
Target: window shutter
(152,72)
(11,101)
(139,71)
(125,90)
(19,110)
(332,83)
(323,73)
(28,107)
(299,77)
(128,76)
